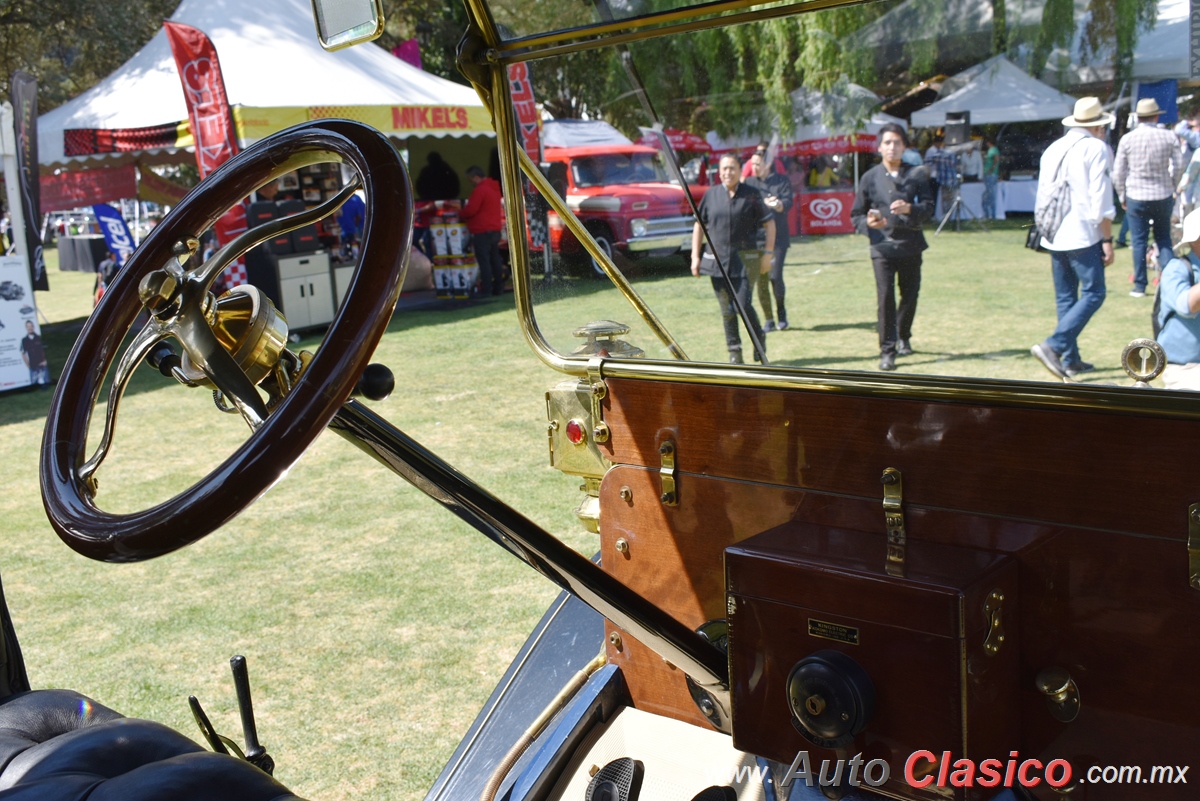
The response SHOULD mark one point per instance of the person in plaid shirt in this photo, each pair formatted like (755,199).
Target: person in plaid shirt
(1149,164)
(943,168)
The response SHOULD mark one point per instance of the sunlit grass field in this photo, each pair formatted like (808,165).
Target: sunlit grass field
(374,622)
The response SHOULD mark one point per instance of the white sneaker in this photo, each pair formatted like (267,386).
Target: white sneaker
(1133,293)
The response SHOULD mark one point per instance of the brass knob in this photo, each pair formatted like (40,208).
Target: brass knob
(815,704)
(158,290)
(1062,696)
(1053,682)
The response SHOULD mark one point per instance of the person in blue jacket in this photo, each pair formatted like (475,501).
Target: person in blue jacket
(1178,307)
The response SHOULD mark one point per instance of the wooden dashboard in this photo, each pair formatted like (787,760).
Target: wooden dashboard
(1089,510)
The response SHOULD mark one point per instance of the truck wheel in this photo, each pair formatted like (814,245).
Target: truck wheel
(604,239)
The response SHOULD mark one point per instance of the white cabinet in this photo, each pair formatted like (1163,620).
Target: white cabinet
(306,290)
(341,282)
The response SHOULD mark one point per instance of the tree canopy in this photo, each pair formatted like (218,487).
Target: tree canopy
(70,45)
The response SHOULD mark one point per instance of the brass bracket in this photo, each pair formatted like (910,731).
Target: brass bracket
(993,609)
(1193,545)
(893,518)
(599,391)
(667,473)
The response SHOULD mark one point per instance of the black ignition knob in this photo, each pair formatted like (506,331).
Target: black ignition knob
(831,697)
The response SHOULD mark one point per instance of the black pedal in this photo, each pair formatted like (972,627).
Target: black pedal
(619,780)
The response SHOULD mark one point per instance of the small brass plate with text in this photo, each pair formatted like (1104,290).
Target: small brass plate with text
(832,631)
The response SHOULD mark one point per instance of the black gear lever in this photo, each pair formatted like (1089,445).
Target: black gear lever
(376,383)
(255,754)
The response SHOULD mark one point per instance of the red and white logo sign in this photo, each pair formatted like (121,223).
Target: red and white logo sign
(826,213)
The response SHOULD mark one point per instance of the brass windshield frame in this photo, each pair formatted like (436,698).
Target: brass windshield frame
(1075,397)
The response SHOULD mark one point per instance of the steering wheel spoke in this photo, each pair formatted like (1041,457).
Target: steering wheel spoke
(146,339)
(235,343)
(208,355)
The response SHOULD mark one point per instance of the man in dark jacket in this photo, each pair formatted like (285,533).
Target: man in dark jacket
(893,200)
(776,191)
(484,218)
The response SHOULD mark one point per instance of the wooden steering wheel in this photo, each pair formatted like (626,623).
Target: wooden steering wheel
(180,306)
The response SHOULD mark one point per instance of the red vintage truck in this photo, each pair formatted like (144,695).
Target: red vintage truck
(620,191)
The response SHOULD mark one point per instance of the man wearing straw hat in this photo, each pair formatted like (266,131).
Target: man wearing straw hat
(1082,246)
(1149,164)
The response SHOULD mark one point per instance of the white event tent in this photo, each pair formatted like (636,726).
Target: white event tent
(276,75)
(995,92)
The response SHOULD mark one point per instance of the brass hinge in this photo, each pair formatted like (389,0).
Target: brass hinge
(1194,546)
(993,610)
(599,391)
(667,473)
(893,518)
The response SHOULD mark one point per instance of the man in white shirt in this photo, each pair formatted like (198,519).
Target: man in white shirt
(1082,246)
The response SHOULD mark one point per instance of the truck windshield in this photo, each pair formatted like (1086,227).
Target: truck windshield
(618,168)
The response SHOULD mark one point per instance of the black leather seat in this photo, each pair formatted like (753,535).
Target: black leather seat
(58,745)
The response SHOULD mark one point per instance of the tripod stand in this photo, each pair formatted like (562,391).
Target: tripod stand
(957,207)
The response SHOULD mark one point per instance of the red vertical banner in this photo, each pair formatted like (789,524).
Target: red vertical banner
(211,121)
(521,88)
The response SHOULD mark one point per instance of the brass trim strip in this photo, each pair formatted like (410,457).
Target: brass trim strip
(946,389)
(638,29)
(616,276)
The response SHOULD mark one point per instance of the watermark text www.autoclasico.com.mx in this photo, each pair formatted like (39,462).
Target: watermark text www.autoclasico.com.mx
(924,768)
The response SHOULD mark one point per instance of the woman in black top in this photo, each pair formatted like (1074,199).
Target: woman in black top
(893,200)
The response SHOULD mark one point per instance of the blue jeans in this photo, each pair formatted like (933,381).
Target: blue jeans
(1141,215)
(1078,293)
(990,183)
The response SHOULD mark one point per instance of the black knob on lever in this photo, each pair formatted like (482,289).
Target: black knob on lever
(255,754)
(163,358)
(376,383)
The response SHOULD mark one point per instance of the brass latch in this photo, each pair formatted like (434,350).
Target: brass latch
(893,517)
(667,473)
(1194,546)
(993,609)
(599,391)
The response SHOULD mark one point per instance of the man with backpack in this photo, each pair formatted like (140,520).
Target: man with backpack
(1074,215)
(1177,323)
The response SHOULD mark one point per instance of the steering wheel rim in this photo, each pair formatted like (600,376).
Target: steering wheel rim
(326,384)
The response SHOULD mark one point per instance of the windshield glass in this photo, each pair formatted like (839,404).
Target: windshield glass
(521,18)
(616,169)
(884,170)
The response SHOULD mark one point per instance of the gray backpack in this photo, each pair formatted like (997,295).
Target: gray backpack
(1053,207)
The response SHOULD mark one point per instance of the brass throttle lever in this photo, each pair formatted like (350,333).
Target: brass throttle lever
(255,754)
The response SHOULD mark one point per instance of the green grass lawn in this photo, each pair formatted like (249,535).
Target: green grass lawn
(375,623)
